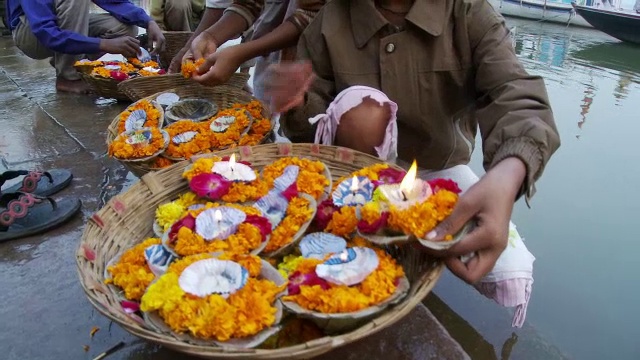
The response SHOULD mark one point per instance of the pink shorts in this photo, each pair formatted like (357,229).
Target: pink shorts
(347,100)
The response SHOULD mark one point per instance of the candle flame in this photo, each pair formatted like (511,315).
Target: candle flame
(217,215)
(232,160)
(354,184)
(407,182)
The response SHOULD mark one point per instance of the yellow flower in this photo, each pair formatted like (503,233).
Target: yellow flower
(244,313)
(169,213)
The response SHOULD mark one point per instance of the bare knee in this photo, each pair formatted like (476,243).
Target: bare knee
(363,127)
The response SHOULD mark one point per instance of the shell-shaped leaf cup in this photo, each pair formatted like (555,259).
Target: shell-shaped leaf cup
(195,110)
(291,246)
(155,322)
(443,245)
(341,322)
(136,135)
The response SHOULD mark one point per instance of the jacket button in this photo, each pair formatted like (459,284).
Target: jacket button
(390,48)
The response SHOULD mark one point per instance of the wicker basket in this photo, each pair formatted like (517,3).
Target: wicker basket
(107,88)
(127,219)
(174,42)
(224,96)
(141,87)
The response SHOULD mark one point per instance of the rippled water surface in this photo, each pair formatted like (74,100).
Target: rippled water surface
(583,224)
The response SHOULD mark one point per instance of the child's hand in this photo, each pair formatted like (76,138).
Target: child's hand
(219,66)
(286,84)
(490,203)
(203,45)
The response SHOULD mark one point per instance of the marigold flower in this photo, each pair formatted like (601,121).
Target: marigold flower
(377,287)
(120,149)
(244,313)
(153,115)
(131,273)
(311,178)
(298,213)
(343,222)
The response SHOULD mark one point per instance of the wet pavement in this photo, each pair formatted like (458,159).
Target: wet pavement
(45,314)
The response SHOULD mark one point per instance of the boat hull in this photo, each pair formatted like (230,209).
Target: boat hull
(620,25)
(536,10)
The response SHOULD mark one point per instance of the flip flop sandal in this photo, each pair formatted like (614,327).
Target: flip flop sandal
(36,182)
(27,214)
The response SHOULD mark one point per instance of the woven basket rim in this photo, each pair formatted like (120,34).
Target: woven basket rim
(156,183)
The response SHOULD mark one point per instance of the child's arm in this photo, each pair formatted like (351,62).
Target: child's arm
(222,64)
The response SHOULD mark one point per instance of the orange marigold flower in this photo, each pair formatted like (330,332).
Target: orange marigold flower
(153,115)
(311,178)
(246,239)
(131,273)
(421,218)
(198,144)
(343,222)
(189,67)
(161,163)
(231,136)
(120,149)
(298,213)
(377,287)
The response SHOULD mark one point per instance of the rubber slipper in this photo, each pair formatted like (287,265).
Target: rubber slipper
(26,214)
(36,182)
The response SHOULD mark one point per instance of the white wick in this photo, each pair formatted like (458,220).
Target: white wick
(217,216)
(344,256)
(232,161)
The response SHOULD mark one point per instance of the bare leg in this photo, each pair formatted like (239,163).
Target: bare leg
(363,127)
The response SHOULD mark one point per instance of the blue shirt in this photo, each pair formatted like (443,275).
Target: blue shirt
(43,22)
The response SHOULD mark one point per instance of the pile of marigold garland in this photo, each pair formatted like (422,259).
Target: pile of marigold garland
(264,238)
(145,134)
(121,70)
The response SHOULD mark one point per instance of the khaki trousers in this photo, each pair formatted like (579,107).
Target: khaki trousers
(73,15)
(181,15)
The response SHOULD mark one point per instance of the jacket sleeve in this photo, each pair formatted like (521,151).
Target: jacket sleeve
(250,10)
(306,11)
(125,12)
(312,47)
(513,111)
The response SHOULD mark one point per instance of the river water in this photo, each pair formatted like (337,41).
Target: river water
(583,223)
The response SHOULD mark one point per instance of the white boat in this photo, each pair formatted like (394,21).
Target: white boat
(543,10)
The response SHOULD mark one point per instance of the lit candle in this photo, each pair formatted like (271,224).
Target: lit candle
(407,184)
(232,162)
(410,191)
(217,216)
(354,192)
(354,185)
(344,256)
(219,224)
(234,171)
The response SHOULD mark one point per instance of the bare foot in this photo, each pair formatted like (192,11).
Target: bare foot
(72,86)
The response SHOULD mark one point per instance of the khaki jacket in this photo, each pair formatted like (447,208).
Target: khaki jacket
(451,70)
(250,10)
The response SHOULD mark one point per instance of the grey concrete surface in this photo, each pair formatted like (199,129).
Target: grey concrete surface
(45,314)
